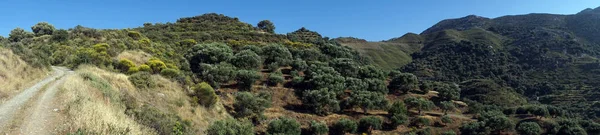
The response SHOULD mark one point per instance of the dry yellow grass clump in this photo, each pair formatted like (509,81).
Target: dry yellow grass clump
(96,101)
(16,74)
(138,57)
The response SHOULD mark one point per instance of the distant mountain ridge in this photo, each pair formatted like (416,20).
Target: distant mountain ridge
(537,55)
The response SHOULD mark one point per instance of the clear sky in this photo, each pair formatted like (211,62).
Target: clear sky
(373,20)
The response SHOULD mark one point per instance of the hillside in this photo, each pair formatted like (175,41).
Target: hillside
(213,74)
(386,54)
(557,51)
(16,74)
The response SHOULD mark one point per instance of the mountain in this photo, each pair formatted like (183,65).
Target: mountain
(539,55)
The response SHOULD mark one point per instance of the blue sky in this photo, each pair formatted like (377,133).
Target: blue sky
(373,20)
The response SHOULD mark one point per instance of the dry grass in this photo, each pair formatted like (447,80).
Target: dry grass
(86,108)
(96,110)
(138,57)
(16,74)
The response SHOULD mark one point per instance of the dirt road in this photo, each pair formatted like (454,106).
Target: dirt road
(34,111)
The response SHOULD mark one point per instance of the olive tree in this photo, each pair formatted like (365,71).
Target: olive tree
(370,123)
(321,101)
(276,54)
(529,128)
(318,128)
(284,126)
(446,106)
(213,53)
(266,26)
(448,91)
(246,78)
(248,105)
(403,82)
(367,100)
(217,74)
(18,34)
(42,28)
(419,103)
(246,59)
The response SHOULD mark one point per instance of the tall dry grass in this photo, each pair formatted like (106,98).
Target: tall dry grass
(96,108)
(16,74)
(86,108)
(137,57)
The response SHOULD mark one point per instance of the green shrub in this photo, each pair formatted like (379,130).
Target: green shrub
(156,65)
(284,126)
(275,78)
(370,122)
(248,105)
(421,122)
(213,53)
(276,54)
(187,43)
(133,70)
(322,101)
(449,133)
(447,106)
(367,100)
(399,119)
(426,131)
(418,103)
(397,108)
(19,34)
(246,59)
(134,34)
(125,65)
(170,73)
(163,123)
(448,92)
(403,82)
(205,94)
(142,80)
(145,68)
(230,127)
(42,28)
(446,119)
(529,128)
(246,78)
(318,128)
(60,35)
(345,126)
(218,74)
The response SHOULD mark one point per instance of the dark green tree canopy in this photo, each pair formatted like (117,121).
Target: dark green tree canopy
(246,59)
(448,91)
(418,103)
(321,101)
(212,53)
(367,100)
(344,125)
(529,128)
(18,34)
(318,128)
(43,28)
(267,26)
(284,126)
(248,105)
(403,82)
(276,54)
(246,78)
